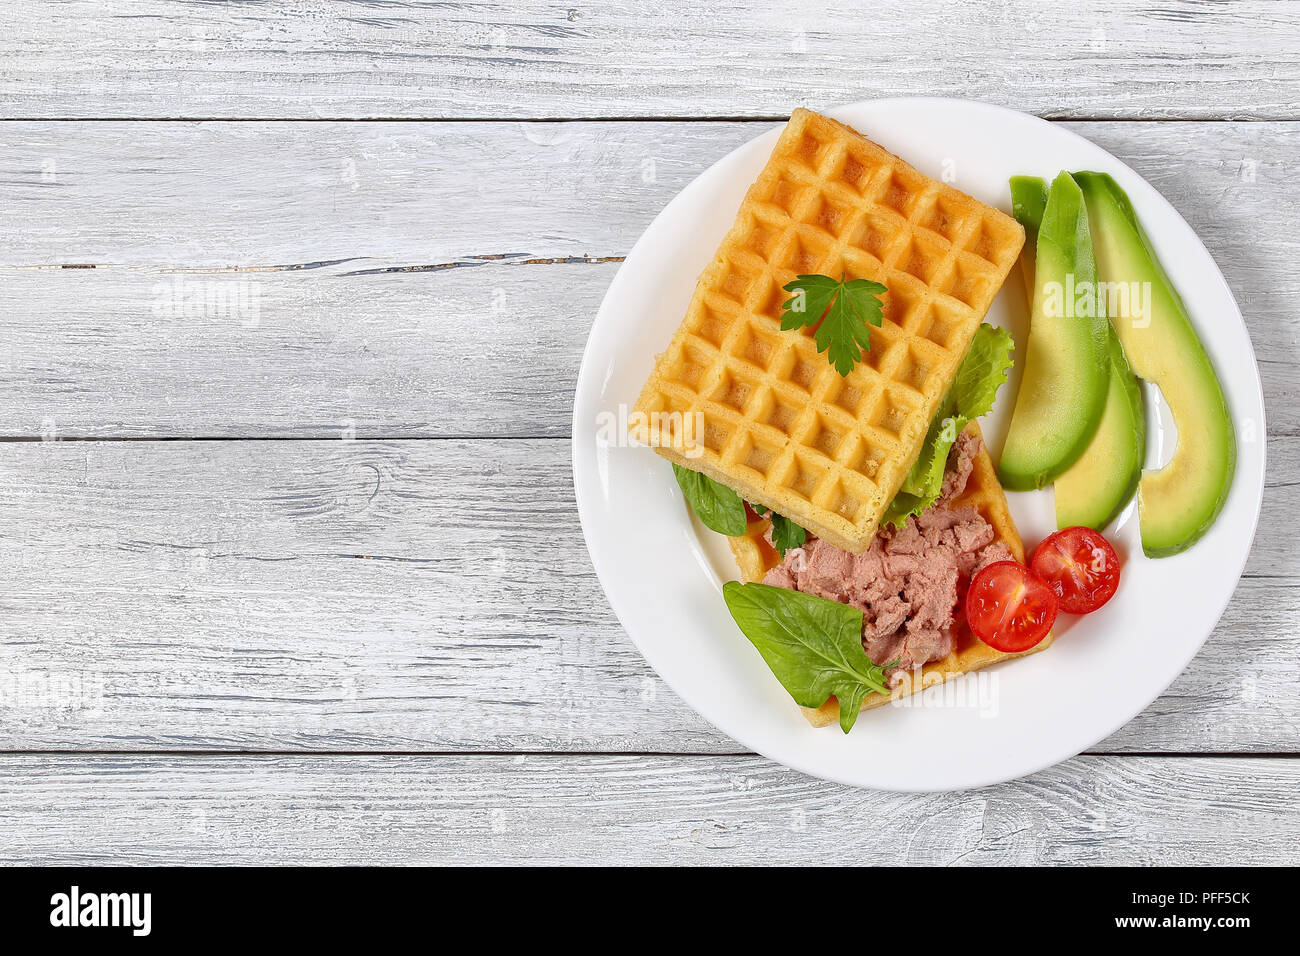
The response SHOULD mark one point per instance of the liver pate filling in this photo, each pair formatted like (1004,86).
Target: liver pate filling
(908,582)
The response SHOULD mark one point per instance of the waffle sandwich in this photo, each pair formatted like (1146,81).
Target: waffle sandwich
(984,493)
(780,425)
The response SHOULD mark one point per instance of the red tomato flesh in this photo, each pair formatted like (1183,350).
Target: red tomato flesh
(1009,607)
(1080,566)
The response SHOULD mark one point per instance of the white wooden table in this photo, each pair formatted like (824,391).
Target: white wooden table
(292,299)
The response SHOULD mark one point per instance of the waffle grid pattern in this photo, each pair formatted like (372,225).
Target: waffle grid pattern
(779,423)
(756,557)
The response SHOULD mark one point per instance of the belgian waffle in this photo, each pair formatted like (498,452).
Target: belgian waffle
(983,492)
(780,425)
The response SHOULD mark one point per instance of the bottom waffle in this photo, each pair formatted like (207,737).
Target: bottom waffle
(983,492)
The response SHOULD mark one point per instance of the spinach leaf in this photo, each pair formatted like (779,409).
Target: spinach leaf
(812,645)
(717,506)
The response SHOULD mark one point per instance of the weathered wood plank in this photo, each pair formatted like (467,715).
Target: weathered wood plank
(634,809)
(355,595)
(488,351)
(1111,58)
(217,195)
(103,352)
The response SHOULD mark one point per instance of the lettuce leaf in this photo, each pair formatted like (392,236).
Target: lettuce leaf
(973,391)
(982,373)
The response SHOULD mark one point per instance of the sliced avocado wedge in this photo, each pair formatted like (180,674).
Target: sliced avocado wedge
(1066,373)
(1098,486)
(1028,200)
(1178,503)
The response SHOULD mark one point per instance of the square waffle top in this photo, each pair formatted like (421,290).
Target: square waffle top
(779,424)
(984,493)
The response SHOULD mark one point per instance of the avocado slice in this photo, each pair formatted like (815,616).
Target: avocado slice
(1066,373)
(1178,503)
(1028,200)
(1098,486)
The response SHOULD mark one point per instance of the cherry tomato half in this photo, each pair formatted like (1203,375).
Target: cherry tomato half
(1009,607)
(1080,566)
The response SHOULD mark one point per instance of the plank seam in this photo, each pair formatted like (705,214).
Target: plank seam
(596,118)
(701,755)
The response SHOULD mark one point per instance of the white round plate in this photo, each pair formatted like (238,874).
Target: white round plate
(663,573)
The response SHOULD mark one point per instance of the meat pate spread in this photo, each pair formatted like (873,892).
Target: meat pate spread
(908,582)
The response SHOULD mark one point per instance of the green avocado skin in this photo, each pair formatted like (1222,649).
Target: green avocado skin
(1028,201)
(1066,372)
(1181,501)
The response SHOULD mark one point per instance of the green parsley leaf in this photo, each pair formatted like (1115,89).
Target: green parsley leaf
(812,645)
(973,390)
(844,310)
(720,508)
(786,534)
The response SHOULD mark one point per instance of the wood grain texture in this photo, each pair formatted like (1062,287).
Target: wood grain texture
(421,595)
(314,58)
(632,809)
(106,352)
